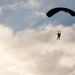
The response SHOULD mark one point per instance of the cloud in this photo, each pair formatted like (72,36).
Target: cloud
(37,52)
(31,4)
(68,61)
(12,6)
(39,14)
(1,11)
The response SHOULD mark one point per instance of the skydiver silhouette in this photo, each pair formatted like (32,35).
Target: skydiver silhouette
(58,35)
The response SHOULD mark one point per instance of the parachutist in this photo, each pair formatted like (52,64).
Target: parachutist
(58,35)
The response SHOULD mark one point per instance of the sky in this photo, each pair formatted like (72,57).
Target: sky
(28,44)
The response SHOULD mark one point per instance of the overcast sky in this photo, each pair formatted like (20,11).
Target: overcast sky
(28,44)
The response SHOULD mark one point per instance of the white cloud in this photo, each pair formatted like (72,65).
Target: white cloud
(39,14)
(37,52)
(31,4)
(1,11)
(68,61)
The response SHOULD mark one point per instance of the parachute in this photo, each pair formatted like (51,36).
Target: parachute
(56,10)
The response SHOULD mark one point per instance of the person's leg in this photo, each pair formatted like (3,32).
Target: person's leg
(57,37)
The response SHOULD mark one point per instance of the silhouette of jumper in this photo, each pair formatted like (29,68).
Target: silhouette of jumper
(56,10)
(58,35)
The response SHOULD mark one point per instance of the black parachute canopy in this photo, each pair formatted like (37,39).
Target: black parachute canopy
(56,10)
